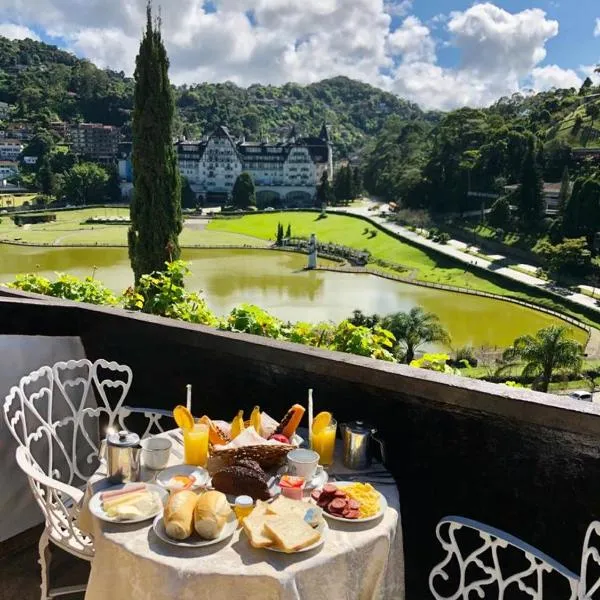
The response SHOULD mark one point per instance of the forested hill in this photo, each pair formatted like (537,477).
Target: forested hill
(47,83)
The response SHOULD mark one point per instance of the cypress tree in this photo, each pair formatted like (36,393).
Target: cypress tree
(530,195)
(563,195)
(156,205)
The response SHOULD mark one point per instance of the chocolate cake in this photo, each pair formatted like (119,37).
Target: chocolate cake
(241,480)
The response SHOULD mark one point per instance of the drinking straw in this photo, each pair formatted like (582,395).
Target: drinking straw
(310,415)
(188,402)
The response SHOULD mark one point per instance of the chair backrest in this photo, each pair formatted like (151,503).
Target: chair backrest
(82,390)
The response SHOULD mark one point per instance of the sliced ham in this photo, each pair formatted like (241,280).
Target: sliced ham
(136,487)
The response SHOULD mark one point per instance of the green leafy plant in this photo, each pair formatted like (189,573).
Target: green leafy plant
(434,362)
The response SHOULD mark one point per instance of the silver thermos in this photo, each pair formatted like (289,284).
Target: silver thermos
(357,437)
(123,449)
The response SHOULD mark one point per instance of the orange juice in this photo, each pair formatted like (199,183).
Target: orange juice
(323,442)
(195,445)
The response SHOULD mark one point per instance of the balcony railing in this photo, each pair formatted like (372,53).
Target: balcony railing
(518,469)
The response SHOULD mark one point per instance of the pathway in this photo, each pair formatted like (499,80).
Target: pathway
(457,250)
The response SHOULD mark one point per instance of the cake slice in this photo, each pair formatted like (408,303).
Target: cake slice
(291,533)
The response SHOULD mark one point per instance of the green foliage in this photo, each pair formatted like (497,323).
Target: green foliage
(571,256)
(344,185)
(434,362)
(68,287)
(279,234)
(249,318)
(85,184)
(499,215)
(550,349)
(188,197)
(413,329)
(162,293)
(530,201)
(325,194)
(375,342)
(243,194)
(581,215)
(359,318)
(156,205)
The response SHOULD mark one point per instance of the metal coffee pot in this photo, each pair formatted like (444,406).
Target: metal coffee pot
(357,437)
(123,449)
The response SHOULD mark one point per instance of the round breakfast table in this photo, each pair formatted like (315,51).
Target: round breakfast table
(356,562)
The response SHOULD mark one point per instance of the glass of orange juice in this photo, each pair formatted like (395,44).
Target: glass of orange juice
(195,445)
(323,442)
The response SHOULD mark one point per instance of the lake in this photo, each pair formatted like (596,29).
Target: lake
(277,282)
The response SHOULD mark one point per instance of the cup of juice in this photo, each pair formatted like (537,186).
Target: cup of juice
(323,442)
(195,445)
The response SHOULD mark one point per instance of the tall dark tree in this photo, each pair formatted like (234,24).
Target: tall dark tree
(243,194)
(188,197)
(499,215)
(325,194)
(530,196)
(565,188)
(357,184)
(156,206)
(45,177)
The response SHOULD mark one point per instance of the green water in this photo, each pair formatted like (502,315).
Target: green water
(276,281)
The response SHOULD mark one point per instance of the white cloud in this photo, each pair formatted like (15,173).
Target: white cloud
(307,40)
(553,76)
(597,28)
(17,32)
(398,8)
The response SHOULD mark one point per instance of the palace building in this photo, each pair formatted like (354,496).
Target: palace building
(285,173)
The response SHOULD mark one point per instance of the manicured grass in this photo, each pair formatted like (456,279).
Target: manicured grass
(15,200)
(69,228)
(349,231)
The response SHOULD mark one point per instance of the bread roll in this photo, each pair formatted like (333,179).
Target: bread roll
(179,515)
(210,515)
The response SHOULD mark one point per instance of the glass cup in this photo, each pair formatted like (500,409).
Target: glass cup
(195,445)
(323,442)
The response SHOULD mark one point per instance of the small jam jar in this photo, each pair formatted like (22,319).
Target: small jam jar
(243,506)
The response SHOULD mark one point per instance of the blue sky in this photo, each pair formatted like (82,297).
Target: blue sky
(439,53)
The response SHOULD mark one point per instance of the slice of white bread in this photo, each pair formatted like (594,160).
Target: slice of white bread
(285,507)
(291,533)
(254,526)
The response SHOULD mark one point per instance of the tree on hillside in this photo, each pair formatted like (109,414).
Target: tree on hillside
(45,177)
(563,194)
(342,184)
(325,194)
(156,205)
(499,215)
(548,350)
(592,110)
(244,194)
(113,191)
(530,200)
(85,184)
(570,257)
(413,329)
(585,86)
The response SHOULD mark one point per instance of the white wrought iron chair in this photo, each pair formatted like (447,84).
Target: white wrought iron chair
(468,572)
(58,455)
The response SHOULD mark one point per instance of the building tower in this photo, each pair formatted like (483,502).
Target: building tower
(325,136)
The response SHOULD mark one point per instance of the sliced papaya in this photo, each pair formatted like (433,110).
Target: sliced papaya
(215,435)
(290,421)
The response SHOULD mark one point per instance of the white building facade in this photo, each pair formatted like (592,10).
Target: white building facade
(10,149)
(285,173)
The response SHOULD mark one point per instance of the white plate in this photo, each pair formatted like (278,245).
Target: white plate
(95,504)
(163,477)
(322,528)
(382,506)
(318,481)
(195,541)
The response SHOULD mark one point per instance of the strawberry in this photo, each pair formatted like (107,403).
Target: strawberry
(280,438)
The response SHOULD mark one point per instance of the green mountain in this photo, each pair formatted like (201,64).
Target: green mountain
(46,83)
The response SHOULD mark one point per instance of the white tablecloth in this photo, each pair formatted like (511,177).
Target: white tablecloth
(356,562)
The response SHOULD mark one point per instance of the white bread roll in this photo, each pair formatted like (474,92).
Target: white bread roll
(210,515)
(179,515)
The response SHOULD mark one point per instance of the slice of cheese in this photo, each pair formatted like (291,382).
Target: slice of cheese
(142,507)
(124,499)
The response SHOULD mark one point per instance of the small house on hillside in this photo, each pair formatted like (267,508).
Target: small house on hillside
(551,194)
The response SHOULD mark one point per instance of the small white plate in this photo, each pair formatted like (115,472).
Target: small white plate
(163,477)
(95,504)
(195,541)
(382,506)
(322,528)
(318,481)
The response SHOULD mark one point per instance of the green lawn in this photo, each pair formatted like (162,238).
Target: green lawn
(69,228)
(350,231)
